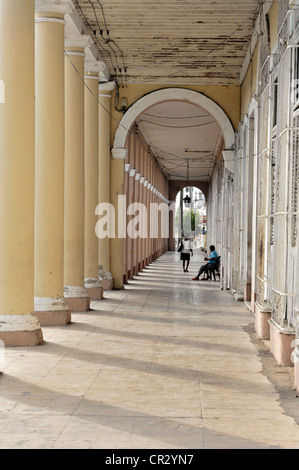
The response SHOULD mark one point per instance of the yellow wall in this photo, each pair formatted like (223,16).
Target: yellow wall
(273,18)
(249,85)
(227,97)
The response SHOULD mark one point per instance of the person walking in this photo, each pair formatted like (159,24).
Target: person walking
(186,250)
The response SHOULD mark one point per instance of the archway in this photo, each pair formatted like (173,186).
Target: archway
(191,216)
(179,94)
(124,134)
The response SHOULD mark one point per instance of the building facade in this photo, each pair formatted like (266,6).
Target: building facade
(72,141)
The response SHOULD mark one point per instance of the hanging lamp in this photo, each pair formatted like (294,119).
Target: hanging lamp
(187,198)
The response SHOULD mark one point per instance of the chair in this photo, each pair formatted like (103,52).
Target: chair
(214,269)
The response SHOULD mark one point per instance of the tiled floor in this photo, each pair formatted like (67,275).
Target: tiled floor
(163,364)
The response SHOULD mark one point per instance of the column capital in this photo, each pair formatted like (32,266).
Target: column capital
(53,6)
(97,67)
(109,86)
(77,41)
(119,153)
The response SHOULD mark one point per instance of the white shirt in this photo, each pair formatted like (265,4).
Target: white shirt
(187,246)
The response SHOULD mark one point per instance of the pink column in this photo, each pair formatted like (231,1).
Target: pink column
(136,197)
(126,247)
(130,198)
(143,200)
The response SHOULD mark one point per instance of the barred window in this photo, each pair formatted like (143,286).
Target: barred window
(275,101)
(294,180)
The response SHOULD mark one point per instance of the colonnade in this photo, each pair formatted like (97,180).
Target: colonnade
(146,184)
(54,170)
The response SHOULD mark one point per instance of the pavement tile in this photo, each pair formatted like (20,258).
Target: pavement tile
(163,364)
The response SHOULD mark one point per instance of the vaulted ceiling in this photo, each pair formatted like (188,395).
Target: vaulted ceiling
(172,42)
(184,138)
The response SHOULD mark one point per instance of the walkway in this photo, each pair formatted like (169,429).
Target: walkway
(164,364)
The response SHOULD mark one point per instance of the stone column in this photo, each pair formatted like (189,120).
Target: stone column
(18,325)
(151,200)
(136,241)
(117,243)
(74,290)
(49,303)
(131,197)
(91,143)
(143,200)
(126,244)
(147,198)
(104,178)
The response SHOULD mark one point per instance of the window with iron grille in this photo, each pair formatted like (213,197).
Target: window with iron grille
(294,180)
(295,78)
(275,101)
(273,191)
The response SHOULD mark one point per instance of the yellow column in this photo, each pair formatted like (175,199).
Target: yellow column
(104,178)
(50,305)
(92,284)
(74,290)
(18,325)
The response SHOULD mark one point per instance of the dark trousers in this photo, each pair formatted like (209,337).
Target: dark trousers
(204,269)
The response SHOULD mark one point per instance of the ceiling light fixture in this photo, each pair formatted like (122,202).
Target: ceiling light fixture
(121,104)
(187,198)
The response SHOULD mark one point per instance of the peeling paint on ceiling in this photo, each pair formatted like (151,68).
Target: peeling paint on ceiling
(171,42)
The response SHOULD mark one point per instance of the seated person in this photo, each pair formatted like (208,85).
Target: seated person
(211,261)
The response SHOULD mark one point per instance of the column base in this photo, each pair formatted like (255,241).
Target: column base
(106,279)
(94,288)
(20,330)
(52,311)
(253,301)
(247,291)
(238,297)
(77,298)
(281,344)
(130,274)
(261,321)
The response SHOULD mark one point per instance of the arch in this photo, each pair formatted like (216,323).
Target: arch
(178,94)
(175,186)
